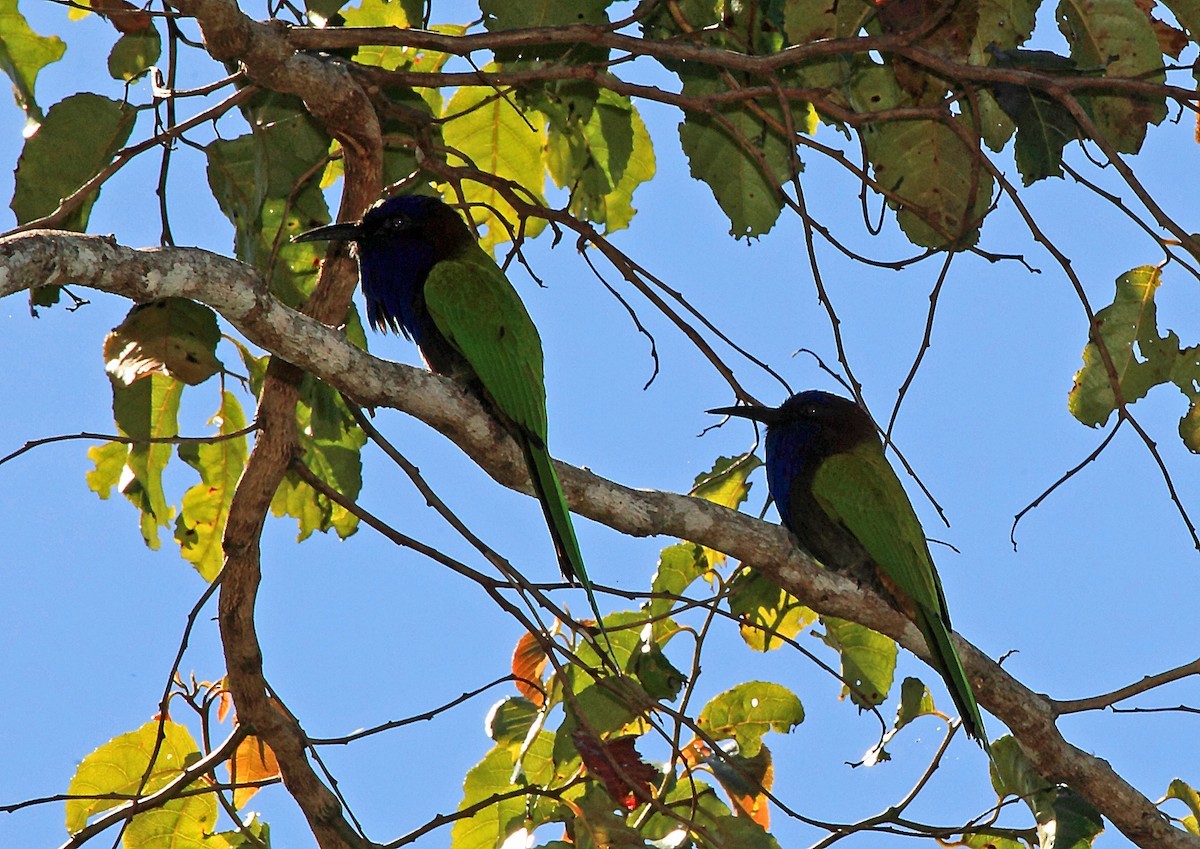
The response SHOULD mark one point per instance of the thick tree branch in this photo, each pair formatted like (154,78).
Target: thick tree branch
(340,104)
(43,257)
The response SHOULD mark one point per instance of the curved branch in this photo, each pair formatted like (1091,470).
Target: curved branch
(241,297)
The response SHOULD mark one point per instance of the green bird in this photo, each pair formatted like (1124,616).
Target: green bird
(838,494)
(425,276)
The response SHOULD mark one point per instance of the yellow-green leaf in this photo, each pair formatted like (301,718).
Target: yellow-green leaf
(868,661)
(486,130)
(23,53)
(767,615)
(205,506)
(120,765)
(1141,357)
(748,711)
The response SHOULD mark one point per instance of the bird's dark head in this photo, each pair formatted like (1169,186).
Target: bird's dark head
(397,222)
(832,421)
(398,242)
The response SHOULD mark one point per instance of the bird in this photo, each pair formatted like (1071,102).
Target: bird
(837,493)
(425,276)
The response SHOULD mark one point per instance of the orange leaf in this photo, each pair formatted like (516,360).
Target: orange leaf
(528,663)
(123,15)
(253,761)
(746,780)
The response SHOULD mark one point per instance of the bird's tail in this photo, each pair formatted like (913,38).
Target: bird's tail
(937,637)
(558,520)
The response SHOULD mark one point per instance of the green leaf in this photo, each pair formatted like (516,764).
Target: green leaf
(748,711)
(267,183)
(743,833)
(592,155)
(488,132)
(915,701)
(868,661)
(80,135)
(766,613)
(1142,358)
(183,823)
(1044,126)
(500,15)
(171,336)
(739,157)
(1064,819)
(489,827)
(641,167)
(404,15)
(120,764)
(1115,35)
(147,409)
(509,720)
(109,459)
(1003,25)
(939,188)
(1180,790)
(205,507)
(983,840)
(678,566)
(330,442)
(691,795)
(134,53)
(252,834)
(23,53)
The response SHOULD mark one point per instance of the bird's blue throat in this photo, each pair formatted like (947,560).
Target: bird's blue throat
(393,277)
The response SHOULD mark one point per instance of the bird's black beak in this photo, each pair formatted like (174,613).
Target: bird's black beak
(766,415)
(347,231)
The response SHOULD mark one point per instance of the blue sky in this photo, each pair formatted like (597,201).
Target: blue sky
(357,632)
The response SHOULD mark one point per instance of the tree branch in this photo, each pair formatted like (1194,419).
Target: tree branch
(43,257)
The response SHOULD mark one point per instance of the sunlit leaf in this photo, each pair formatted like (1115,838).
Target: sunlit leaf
(253,760)
(171,336)
(122,766)
(1141,357)
(491,134)
(205,508)
(489,827)
(1182,791)
(868,661)
(678,566)
(23,53)
(767,614)
(748,711)
(149,408)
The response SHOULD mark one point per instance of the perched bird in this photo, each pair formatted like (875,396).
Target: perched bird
(836,492)
(424,275)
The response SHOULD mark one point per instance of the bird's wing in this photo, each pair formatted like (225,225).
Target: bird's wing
(859,489)
(480,314)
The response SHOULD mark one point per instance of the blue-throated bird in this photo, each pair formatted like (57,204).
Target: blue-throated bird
(836,491)
(425,276)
